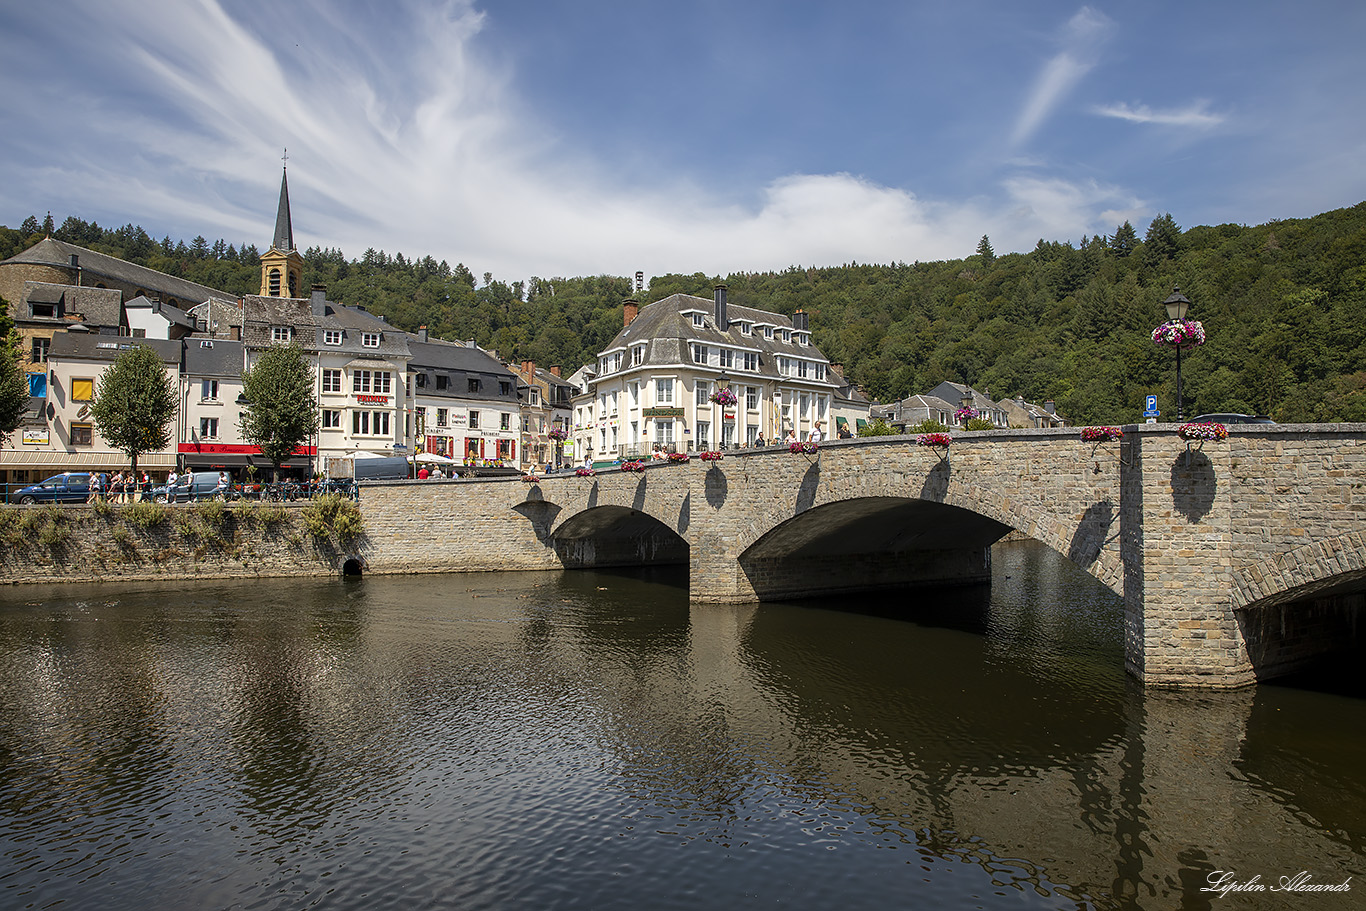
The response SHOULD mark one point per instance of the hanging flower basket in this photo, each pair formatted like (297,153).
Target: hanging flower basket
(557,435)
(585,472)
(807,447)
(1100,434)
(637,465)
(710,456)
(1180,333)
(724,397)
(678,457)
(1201,433)
(530,479)
(938,440)
(963,415)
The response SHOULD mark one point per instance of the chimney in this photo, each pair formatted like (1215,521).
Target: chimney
(529,369)
(631,309)
(421,333)
(318,300)
(799,321)
(555,369)
(1050,407)
(76,264)
(719,314)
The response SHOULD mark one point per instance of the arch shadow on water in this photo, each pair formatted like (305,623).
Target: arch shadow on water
(604,536)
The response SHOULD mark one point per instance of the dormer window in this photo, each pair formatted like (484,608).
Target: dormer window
(637,355)
(745,329)
(698,320)
(768,332)
(369,339)
(281,335)
(787,335)
(332,336)
(803,339)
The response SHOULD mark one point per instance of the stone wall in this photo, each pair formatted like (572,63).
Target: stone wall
(84,544)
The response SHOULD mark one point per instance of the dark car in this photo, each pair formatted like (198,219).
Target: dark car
(67,487)
(194,485)
(1232,419)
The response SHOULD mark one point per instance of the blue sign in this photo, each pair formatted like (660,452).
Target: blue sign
(1151,410)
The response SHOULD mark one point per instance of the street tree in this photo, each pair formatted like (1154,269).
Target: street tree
(14,393)
(280,415)
(135,402)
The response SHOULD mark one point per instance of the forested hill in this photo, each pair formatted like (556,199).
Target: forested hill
(1283,304)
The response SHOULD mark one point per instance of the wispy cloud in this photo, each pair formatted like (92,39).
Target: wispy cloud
(1081,39)
(1196,115)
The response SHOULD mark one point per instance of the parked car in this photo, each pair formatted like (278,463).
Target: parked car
(67,487)
(193,485)
(1232,419)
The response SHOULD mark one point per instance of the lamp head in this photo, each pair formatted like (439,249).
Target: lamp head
(1176,305)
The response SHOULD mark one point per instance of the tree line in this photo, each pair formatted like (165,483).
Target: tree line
(1282,304)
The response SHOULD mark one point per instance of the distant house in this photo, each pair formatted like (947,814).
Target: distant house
(1020,413)
(916,409)
(464,401)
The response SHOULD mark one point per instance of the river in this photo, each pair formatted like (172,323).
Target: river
(589,740)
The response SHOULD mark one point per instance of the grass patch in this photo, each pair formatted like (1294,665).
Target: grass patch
(332,517)
(146,515)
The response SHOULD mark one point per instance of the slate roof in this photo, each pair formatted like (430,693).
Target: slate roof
(173,315)
(223,358)
(460,363)
(668,329)
(91,347)
(260,314)
(96,306)
(52,252)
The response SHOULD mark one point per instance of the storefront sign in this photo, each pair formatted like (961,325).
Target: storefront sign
(35,437)
(373,399)
(663,412)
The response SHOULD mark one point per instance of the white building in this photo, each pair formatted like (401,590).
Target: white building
(464,402)
(655,382)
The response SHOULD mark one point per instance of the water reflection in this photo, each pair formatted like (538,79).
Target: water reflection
(591,740)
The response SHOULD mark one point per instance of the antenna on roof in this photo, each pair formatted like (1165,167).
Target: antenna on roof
(640,281)
(285,159)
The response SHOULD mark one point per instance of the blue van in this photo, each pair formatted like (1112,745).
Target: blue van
(67,487)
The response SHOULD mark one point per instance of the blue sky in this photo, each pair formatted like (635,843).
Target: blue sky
(528,137)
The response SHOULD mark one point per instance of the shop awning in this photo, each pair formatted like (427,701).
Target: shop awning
(48,458)
(841,422)
(860,423)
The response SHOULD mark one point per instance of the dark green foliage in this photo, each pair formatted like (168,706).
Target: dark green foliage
(14,398)
(135,403)
(280,414)
(1284,305)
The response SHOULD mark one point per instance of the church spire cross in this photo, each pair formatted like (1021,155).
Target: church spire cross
(284,230)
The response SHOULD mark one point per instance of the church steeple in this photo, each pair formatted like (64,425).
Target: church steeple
(282,268)
(284,231)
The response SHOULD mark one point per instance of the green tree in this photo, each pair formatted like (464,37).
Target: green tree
(1163,240)
(281,414)
(14,399)
(984,250)
(1124,241)
(135,403)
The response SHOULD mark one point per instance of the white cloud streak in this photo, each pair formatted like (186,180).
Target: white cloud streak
(1196,115)
(1081,41)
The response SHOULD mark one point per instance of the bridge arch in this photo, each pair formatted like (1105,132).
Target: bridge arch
(1314,568)
(1089,539)
(615,535)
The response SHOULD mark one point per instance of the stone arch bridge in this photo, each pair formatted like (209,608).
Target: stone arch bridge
(1236,560)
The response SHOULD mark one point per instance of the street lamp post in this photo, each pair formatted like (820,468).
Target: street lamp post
(1178,332)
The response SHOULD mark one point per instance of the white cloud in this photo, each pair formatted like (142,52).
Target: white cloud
(1081,40)
(1196,115)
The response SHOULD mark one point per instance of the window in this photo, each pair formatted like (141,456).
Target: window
(44,310)
(331,419)
(208,391)
(819,371)
(332,380)
(787,335)
(274,282)
(728,435)
(504,421)
(745,329)
(370,423)
(442,417)
(40,349)
(699,354)
(752,360)
(664,392)
(703,435)
(768,332)
(369,339)
(703,391)
(82,390)
(802,338)
(804,406)
(664,433)
(474,420)
(371,381)
(633,390)
(281,334)
(475,385)
(533,396)
(802,368)
(442,382)
(751,398)
(332,336)
(637,355)
(504,387)
(82,434)
(697,320)
(208,428)
(727,357)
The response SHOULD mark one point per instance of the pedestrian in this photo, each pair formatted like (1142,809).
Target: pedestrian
(95,484)
(815,435)
(844,433)
(759,441)
(222,488)
(423,473)
(146,487)
(791,437)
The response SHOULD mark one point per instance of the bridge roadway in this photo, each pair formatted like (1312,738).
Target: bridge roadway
(1237,560)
